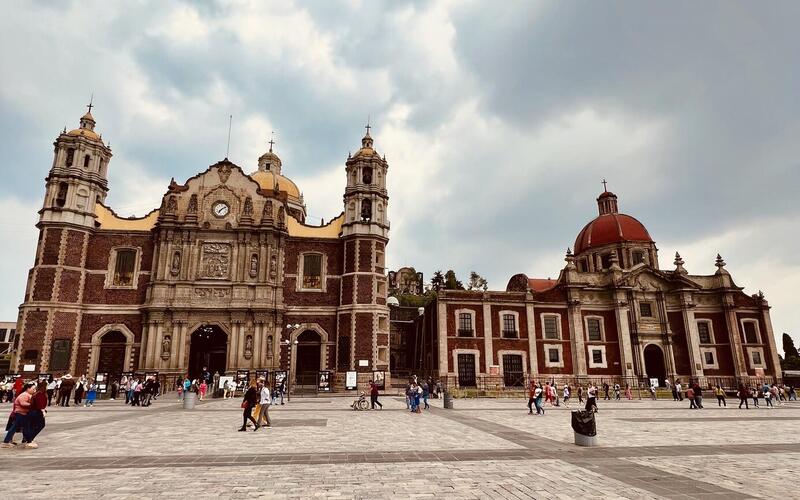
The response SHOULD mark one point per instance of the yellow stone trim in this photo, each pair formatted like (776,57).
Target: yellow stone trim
(111,221)
(300,230)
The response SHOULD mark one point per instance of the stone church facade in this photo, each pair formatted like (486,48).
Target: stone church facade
(612,315)
(225,274)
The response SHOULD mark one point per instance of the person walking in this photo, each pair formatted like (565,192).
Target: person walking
(532,397)
(698,395)
(675,391)
(249,401)
(91,394)
(743,395)
(179,388)
(547,393)
(690,397)
(127,386)
(373,395)
(566,395)
(653,395)
(114,390)
(606,388)
(591,398)
(64,392)
(617,392)
(720,394)
(36,414)
(265,400)
(628,394)
(80,388)
(537,400)
(768,398)
(580,394)
(51,390)
(20,422)
(679,389)
(754,394)
(203,389)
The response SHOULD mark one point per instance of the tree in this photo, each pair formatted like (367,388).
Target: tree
(788,347)
(437,281)
(477,282)
(451,282)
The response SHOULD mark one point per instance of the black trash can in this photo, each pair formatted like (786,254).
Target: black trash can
(584,425)
(448,401)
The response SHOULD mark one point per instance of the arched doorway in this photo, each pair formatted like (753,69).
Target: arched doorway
(111,358)
(209,348)
(307,363)
(654,363)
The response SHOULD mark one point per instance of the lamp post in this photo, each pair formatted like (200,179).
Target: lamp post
(288,343)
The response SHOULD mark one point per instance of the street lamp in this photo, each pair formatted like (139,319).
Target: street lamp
(288,343)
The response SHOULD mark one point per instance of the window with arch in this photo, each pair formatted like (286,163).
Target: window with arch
(704,332)
(366,210)
(312,271)
(86,160)
(70,157)
(366,175)
(465,328)
(751,333)
(61,195)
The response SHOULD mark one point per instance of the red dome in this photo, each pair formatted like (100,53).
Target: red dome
(611,228)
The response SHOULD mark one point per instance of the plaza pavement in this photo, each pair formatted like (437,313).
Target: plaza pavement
(484,448)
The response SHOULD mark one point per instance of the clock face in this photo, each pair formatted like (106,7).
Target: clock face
(220,209)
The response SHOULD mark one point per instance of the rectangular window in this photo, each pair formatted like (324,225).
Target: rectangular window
(606,260)
(638,258)
(466,370)
(704,331)
(597,356)
(465,325)
(756,357)
(750,334)
(709,357)
(646,309)
(509,326)
(124,266)
(59,358)
(513,374)
(551,327)
(552,355)
(593,330)
(312,271)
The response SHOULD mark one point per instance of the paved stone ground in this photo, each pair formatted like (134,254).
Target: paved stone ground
(486,448)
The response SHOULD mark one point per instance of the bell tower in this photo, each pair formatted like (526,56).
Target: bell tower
(78,176)
(364,315)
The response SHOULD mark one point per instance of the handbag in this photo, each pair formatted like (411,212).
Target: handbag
(244,404)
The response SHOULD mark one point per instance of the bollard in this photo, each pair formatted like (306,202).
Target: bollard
(448,401)
(189,400)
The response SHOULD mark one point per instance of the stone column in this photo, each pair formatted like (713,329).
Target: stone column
(258,345)
(692,338)
(441,312)
(624,333)
(735,338)
(488,353)
(577,340)
(157,362)
(143,346)
(150,348)
(771,343)
(532,354)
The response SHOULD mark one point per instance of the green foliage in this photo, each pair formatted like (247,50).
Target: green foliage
(477,282)
(788,347)
(437,281)
(451,281)
(409,300)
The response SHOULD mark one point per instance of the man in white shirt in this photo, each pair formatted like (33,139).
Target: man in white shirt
(265,401)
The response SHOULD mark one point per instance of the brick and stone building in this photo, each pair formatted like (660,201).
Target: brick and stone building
(225,274)
(612,314)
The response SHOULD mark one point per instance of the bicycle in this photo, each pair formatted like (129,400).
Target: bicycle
(360,403)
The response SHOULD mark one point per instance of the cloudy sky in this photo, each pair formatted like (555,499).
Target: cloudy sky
(499,120)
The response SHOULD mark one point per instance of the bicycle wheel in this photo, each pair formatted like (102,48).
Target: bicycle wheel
(363,405)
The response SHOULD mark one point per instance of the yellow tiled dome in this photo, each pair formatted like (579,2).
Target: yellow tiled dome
(266,180)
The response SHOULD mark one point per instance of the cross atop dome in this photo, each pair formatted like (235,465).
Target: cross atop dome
(366,142)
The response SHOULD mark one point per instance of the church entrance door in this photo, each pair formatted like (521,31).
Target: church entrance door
(654,363)
(209,348)
(111,359)
(308,358)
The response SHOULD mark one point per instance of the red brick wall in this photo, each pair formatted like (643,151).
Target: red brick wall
(100,245)
(364,292)
(365,256)
(680,345)
(330,297)
(69,286)
(350,256)
(43,287)
(363,341)
(90,323)
(64,324)
(344,330)
(52,244)
(35,326)
(347,289)
(456,342)
(722,344)
(73,254)
(613,362)
(95,293)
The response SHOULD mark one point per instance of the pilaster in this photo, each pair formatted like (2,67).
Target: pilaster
(532,354)
(735,338)
(692,337)
(488,353)
(624,333)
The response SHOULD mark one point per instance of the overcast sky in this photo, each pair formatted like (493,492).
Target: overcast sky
(499,120)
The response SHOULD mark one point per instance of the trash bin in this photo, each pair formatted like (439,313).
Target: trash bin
(583,423)
(448,401)
(189,400)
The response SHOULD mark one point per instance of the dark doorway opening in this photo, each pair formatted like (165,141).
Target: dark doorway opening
(308,360)
(209,348)
(654,363)
(466,370)
(513,374)
(111,359)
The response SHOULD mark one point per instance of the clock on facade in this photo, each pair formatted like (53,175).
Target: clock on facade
(220,209)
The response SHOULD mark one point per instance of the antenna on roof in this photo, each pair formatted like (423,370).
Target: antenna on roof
(228,149)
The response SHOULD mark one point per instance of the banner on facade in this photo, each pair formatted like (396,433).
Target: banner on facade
(262,374)
(227,379)
(653,382)
(379,379)
(43,376)
(351,381)
(124,378)
(150,375)
(242,379)
(324,381)
(280,380)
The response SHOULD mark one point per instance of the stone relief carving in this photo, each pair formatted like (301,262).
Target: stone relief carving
(176,263)
(268,209)
(172,205)
(211,293)
(281,216)
(248,207)
(269,346)
(215,260)
(254,265)
(224,172)
(166,346)
(192,209)
(273,267)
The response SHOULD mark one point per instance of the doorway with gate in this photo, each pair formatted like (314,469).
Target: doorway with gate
(208,349)
(654,363)
(111,358)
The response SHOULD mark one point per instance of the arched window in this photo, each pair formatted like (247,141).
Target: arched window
(86,160)
(366,210)
(70,156)
(61,196)
(366,175)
